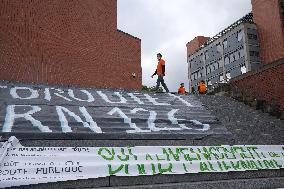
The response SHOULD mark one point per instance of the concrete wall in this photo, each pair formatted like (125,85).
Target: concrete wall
(69,42)
(267,16)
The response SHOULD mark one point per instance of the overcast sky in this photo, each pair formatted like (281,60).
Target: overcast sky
(167,25)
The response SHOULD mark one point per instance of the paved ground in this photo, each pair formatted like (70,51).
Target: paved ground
(248,126)
(239,184)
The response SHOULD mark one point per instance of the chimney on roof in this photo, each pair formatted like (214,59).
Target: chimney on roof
(195,44)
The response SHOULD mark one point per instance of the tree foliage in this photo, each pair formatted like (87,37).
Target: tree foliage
(151,89)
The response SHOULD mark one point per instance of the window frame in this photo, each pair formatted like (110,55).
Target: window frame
(209,82)
(227,57)
(228,73)
(208,69)
(240,35)
(223,79)
(237,55)
(199,74)
(243,66)
(242,52)
(219,47)
(232,57)
(220,63)
(216,65)
(281,6)
(252,36)
(225,41)
(206,55)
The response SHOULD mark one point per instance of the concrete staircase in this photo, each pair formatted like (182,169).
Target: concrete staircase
(231,123)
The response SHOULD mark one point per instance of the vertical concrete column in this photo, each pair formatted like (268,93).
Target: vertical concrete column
(246,48)
(223,59)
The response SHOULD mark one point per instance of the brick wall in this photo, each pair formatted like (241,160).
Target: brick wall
(265,84)
(194,44)
(270,29)
(70,42)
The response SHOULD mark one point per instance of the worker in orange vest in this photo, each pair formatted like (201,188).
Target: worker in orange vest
(160,71)
(202,89)
(181,89)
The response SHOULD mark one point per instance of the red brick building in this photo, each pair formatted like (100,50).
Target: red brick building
(268,16)
(195,44)
(267,83)
(69,42)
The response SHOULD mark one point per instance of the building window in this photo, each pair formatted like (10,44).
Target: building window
(242,53)
(206,55)
(232,58)
(221,78)
(212,67)
(219,48)
(228,76)
(194,76)
(216,65)
(227,60)
(240,35)
(220,63)
(243,69)
(252,36)
(282,10)
(225,43)
(207,70)
(209,82)
(254,53)
(199,74)
(237,56)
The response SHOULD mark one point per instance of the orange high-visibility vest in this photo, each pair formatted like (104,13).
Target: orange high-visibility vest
(202,88)
(181,90)
(160,67)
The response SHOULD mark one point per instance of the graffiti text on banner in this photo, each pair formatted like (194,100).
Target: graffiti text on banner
(33,165)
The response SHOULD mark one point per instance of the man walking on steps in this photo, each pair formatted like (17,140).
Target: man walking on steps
(160,71)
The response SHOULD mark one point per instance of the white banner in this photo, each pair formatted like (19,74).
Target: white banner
(33,165)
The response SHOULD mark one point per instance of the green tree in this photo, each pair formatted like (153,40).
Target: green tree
(151,89)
